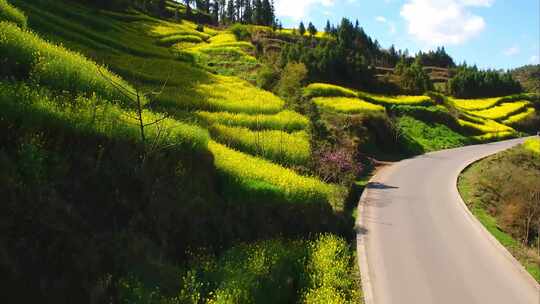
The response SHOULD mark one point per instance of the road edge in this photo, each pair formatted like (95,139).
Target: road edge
(361,248)
(480,227)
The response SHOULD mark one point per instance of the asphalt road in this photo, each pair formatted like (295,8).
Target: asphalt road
(418,243)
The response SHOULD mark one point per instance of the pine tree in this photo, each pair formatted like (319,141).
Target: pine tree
(257,12)
(312,30)
(222,10)
(188,7)
(231,12)
(301,29)
(215,10)
(267,13)
(248,12)
(328,28)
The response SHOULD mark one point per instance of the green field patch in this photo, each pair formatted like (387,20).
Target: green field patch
(347,105)
(281,147)
(429,137)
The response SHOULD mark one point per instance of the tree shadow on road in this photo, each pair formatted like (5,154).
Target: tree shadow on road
(379,186)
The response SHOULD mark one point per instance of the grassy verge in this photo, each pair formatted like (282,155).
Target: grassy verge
(497,219)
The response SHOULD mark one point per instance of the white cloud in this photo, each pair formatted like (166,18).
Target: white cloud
(437,22)
(391,25)
(297,9)
(534,60)
(514,50)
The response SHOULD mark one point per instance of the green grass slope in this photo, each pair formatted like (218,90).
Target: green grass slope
(121,205)
(500,190)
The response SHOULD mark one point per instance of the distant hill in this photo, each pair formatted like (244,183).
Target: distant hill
(529,77)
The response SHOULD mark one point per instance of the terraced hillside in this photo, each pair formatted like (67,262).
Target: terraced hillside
(159,115)
(142,164)
(427,119)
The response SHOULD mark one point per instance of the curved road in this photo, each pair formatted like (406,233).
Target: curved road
(418,243)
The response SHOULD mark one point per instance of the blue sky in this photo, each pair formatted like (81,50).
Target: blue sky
(497,34)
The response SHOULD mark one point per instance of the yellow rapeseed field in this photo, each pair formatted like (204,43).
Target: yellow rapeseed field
(285,120)
(347,105)
(279,146)
(296,188)
(502,111)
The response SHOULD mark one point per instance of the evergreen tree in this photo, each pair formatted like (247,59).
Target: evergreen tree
(257,12)
(222,4)
(188,7)
(231,12)
(215,11)
(302,29)
(312,30)
(248,12)
(328,28)
(267,13)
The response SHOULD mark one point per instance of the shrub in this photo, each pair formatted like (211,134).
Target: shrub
(285,120)
(338,165)
(10,13)
(291,81)
(285,148)
(327,90)
(347,105)
(25,55)
(240,31)
(412,78)
(267,78)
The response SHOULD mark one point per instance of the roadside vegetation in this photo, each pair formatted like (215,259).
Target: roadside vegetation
(503,192)
(316,271)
